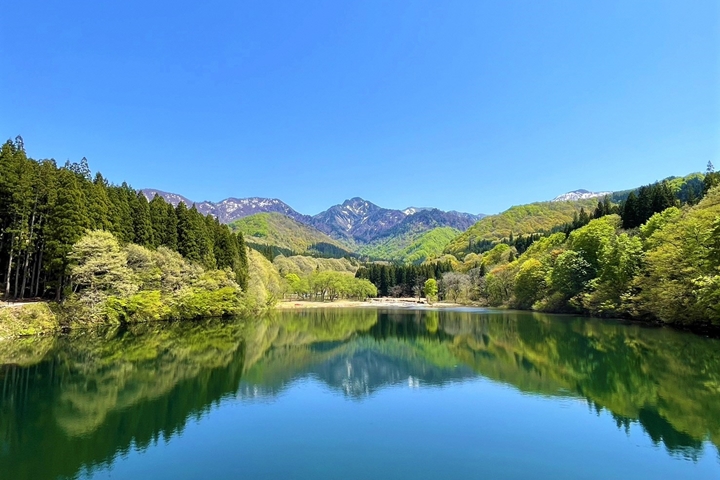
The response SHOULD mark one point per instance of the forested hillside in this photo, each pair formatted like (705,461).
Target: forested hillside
(65,233)
(518,220)
(654,256)
(275,229)
(411,246)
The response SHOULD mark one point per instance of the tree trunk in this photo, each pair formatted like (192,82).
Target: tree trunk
(38,268)
(9,268)
(60,285)
(17,279)
(27,253)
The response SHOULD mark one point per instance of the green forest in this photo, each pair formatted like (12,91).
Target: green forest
(102,252)
(106,253)
(655,256)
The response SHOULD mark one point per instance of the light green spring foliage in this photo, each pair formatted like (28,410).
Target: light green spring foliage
(681,280)
(281,231)
(303,265)
(668,270)
(411,247)
(329,285)
(135,284)
(519,220)
(265,285)
(430,289)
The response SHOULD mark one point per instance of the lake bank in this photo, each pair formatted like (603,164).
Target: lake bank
(371,302)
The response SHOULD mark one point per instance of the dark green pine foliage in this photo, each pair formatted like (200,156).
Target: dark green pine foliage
(400,279)
(120,212)
(650,200)
(712,178)
(142,223)
(630,212)
(98,203)
(224,247)
(44,210)
(188,241)
(66,224)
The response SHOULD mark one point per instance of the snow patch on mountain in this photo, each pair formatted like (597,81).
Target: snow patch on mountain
(581,194)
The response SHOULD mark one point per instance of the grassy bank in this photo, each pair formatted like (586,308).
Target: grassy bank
(27,319)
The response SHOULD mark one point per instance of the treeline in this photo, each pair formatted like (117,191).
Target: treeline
(329,285)
(46,209)
(401,280)
(317,250)
(635,209)
(666,269)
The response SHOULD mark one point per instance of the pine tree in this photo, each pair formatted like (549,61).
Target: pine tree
(142,223)
(188,243)
(630,212)
(98,203)
(66,224)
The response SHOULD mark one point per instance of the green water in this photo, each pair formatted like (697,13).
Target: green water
(363,393)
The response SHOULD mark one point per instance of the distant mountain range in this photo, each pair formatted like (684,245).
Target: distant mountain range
(355,221)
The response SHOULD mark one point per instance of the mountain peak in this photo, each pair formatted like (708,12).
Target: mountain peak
(580,194)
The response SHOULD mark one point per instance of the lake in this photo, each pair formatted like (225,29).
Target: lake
(363,394)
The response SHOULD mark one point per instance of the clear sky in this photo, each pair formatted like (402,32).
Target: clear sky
(466,105)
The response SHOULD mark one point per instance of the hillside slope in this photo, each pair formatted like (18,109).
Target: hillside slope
(519,220)
(278,230)
(411,247)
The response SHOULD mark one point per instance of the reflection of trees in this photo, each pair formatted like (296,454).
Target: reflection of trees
(83,399)
(667,381)
(94,396)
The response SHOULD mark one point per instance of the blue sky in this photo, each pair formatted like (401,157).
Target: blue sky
(465,105)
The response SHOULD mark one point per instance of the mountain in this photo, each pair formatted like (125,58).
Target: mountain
(279,230)
(519,220)
(579,195)
(418,236)
(364,222)
(355,222)
(232,209)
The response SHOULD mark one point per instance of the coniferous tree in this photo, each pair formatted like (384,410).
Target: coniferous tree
(630,213)
(66,225)
(142,223)
(98,203)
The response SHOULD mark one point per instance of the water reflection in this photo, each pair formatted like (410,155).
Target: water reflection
(83,399)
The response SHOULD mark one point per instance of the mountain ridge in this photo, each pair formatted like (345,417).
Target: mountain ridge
(355,221)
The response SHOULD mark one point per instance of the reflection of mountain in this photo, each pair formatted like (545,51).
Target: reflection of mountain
(83,400)
(357,368)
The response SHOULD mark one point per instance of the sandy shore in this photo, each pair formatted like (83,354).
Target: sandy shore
(374,302)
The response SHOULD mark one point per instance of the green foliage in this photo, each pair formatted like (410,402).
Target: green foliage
(45,210)
(430,289)
(530,283)
(592,239)
(135,284)
(29,319)
(411,246)
(679,281)
(401,280)
(518,220)
(331,285)
(570,274)
(275,229)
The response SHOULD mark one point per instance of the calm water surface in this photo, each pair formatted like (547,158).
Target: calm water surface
(363,394)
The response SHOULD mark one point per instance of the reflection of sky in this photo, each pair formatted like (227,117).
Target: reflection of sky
(475,429)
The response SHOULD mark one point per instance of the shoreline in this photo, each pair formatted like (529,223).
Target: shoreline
(370,303)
